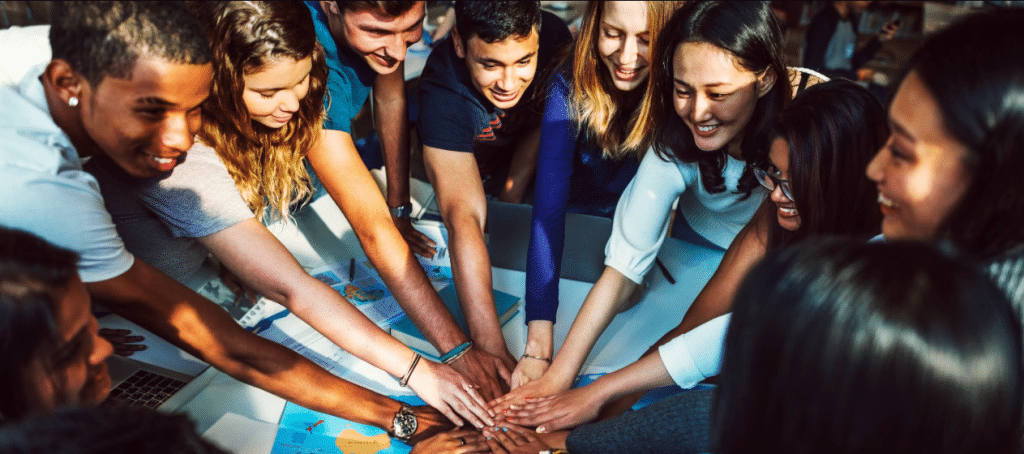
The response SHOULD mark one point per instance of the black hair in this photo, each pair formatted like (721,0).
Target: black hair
(105,39)
(833,129)
(102,430)
(851,347)
(34,276)
(496,21)
(750,32)
(980,94)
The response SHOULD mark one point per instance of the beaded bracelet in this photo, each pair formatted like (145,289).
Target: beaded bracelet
(547,360)
(405,378)
(456,352)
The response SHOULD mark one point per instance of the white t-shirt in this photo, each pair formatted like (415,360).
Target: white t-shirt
(43,188)
(641,217)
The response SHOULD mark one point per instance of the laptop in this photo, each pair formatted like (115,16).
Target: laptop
(162,377)
(508,226)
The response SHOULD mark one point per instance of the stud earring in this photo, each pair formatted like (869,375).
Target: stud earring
(73,101)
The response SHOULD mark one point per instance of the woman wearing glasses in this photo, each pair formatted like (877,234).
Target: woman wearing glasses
(822,140)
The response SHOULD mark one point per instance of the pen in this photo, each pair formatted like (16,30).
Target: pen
(352,269)
(661,266)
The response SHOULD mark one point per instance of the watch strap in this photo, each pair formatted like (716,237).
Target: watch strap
(403,211)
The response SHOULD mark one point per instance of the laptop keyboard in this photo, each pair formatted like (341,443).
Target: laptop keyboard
(144,389)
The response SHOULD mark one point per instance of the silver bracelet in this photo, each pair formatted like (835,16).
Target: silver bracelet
(415,361)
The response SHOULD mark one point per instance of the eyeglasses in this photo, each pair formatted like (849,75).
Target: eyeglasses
(769,181)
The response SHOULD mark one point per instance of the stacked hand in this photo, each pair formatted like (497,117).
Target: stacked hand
(560,411)
(527,370)
(449,392)
(541,387)
(488,372)
(456,441)
(511,439)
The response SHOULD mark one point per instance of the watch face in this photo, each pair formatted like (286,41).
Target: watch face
(405,424)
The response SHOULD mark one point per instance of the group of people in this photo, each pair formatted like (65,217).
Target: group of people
(156,135)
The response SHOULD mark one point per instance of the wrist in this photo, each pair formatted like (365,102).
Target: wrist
(403,211)
(539,339)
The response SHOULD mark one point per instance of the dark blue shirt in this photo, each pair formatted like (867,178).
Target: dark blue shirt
(572,175)
(455,116)
(349,80)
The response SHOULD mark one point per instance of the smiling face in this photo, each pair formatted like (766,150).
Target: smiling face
(920,170)
(788,217)
(624,42)
(272,94)
(714,95)
(147,122)
(502,70)
(381,40)
(79,369)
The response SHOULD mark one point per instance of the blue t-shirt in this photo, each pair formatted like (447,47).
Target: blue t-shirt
(349,80)
(457,117)
(572,175)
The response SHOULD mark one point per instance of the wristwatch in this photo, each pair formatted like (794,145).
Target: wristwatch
(403,211)
(404,425)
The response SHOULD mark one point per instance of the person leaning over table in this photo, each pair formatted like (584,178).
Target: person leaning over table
(126,82)
(590,148)
(714,98)
(365,45)
(483,87)
(251,160)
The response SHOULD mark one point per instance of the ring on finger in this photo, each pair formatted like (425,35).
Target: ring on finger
(462,441)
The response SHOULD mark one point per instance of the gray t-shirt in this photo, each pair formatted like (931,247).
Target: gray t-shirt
(160,218)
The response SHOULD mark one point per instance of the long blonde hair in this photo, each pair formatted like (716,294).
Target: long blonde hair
(267,164)
(610,117)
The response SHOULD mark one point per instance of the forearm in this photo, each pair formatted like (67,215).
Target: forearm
(408,283)
(540,338)
(522,168)
(471,270)
(599,308)
(646,373)
(326,311)
(200,327)
(391,119)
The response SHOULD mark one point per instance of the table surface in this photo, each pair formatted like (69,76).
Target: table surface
(321,235)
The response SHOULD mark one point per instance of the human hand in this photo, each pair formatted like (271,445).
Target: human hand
(560,411)
(512,439)
(528,369)
(124,343)
(888,31)
(443,388)
(429,423)
(456,441)
(542,387)
(418,242)
(484,370)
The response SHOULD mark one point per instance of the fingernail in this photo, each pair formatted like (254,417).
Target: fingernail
(504,429)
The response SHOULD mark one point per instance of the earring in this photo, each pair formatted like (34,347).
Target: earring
(73,101)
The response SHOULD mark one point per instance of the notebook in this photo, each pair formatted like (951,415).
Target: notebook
(508,226)
(405,331)
(162,377)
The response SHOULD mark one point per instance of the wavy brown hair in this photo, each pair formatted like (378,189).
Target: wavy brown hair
(609,116)
(267,164)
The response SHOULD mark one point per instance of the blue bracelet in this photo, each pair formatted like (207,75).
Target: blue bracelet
(456,352)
